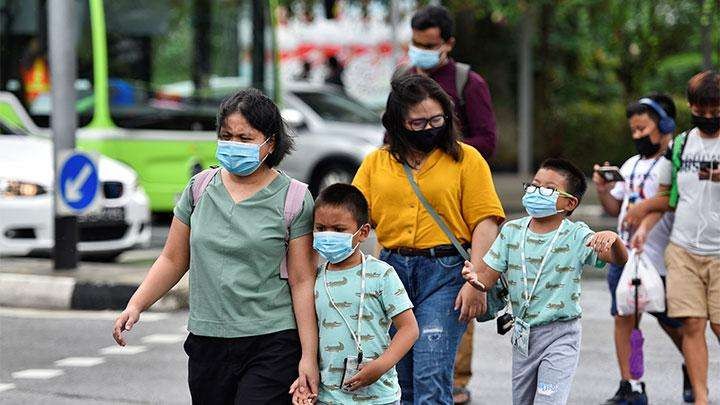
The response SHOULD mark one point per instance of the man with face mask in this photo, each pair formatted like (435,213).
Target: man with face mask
(691,173)
(428,53)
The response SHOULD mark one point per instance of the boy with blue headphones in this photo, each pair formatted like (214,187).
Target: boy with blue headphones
(651,121)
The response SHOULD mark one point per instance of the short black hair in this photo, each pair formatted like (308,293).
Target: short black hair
(704,89)
(348,197)
(665,101)
(406,92)
(434,16)
(576,182)
(263,115)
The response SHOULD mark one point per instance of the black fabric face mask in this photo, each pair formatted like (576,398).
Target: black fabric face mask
(707,125)
(645,147)
(424,140)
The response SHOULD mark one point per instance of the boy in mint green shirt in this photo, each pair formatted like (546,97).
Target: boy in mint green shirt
(357,298)
(542,257)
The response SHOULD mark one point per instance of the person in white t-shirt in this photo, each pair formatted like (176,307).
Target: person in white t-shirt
(651,121)
(691,173)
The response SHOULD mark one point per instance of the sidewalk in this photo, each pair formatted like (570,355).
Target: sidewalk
(31,283)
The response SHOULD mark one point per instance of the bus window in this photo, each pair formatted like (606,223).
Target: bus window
(168,61)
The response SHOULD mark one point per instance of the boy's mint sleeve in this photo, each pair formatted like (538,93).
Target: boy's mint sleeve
(587,256)
(497,256)
(394,298)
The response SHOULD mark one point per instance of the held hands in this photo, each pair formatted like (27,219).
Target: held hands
(368,374)
(601,185)
(470,301)
(601,242)
(306,385)
(469,274)
(129,317)
(303,396)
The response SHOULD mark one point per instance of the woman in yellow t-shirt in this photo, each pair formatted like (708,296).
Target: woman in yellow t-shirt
(456,181)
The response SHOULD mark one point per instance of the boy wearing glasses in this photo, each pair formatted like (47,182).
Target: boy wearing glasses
(542,257)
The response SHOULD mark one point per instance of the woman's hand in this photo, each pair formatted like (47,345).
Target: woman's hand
(368,374)
(470,302)
(308,376)
(129,317)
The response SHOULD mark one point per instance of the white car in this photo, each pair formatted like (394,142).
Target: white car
(26,193)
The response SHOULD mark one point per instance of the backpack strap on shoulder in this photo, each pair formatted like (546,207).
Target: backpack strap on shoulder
(462,73)
(678,148)
(200,183)
(293,205)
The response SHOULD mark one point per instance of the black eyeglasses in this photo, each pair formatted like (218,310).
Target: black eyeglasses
(419,124)
(545,191)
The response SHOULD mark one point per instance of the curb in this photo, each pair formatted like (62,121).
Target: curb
(51,292)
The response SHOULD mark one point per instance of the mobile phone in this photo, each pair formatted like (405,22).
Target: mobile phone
(709,165)
(611,173)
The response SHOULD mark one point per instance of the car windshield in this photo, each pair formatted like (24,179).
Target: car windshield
(338,107)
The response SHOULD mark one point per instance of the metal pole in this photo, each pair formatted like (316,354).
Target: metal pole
(258,45)
(525,95)
(63,69)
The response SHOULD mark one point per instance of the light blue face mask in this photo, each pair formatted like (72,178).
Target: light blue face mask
(334,246)
(240,158)
(423,58)
(540,206)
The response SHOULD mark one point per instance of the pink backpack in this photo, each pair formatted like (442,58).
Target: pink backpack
(293,204)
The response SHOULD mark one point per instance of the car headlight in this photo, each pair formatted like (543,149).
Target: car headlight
(16,188)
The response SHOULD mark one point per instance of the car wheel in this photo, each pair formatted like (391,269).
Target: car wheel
(332,173)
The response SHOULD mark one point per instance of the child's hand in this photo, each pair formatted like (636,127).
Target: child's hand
(302,396)
(469,274)
(368,374)
(601,184)
(601,242)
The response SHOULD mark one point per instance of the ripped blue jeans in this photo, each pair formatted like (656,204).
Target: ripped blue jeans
(426,372)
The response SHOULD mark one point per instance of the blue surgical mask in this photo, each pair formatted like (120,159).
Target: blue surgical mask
(334,246)
(240,158)
(423,58)
(540,206)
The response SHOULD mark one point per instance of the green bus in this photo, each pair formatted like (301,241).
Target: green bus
(130,52)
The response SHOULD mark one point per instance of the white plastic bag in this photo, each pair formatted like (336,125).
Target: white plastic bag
(651,292)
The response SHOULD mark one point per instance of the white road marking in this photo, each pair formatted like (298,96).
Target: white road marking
(38,373)
(163,339)
(80,362)
(91,315)
(127,350)
(6,387)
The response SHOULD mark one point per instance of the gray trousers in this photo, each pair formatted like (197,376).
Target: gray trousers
(545,375)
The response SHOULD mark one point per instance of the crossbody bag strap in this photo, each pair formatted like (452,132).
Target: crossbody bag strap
(438,220)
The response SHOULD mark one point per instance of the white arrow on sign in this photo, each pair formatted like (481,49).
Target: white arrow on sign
(73,186)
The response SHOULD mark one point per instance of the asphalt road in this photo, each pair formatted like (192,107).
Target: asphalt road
(154,371)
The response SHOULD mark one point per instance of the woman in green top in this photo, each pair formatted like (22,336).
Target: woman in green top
(251,331)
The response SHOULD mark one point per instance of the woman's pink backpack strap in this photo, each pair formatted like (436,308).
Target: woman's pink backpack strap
(293,205)
(200,183)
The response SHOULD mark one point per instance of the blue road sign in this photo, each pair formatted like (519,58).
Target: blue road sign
(78,182)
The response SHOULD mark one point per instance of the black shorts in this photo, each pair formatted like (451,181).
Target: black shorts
(246,370)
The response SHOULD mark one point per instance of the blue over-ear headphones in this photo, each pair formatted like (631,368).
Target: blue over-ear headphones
(666,124)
